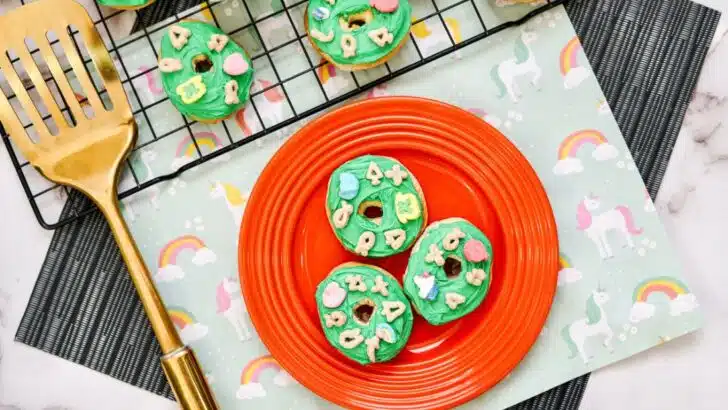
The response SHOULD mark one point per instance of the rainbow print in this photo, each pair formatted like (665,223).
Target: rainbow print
(571,145)
(188,327)
(573,73)
(569,163)
(326,71)
(420,30)
(180,317)
(255,368)
(567,272)
(242,124)
(168,254)
(186,146)
(564,261)
(567,59)
(668,286)
(205,11)
(454,27)
(490,119)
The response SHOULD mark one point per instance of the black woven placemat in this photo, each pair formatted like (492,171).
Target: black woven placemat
(647,55)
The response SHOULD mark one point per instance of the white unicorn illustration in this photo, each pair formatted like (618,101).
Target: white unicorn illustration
(595,323)
(234,199)
(270,107)
(231,305)
(505,74)
(596,227)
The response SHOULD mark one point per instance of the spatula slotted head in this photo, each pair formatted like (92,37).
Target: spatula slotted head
(53,79)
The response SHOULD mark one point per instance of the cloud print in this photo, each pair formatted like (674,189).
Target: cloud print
(604,152)
(193,332)
(169,273)
(335,85)
(568,166)
(575,77)
(250,391)
(604,108)
(283,379)
(641,311)
(493,120)
(568,275)
(178,162)
(222,158)
(204,256)
(682,304)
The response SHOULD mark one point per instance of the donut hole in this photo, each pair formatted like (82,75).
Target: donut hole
(356,21)
(201,63)
(363,311)
(452,267)
(372,210)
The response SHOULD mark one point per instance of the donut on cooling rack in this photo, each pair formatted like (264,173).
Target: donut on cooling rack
(375,206)
(449,271)
(505,3)
(206,75)
(357,34)
(126,4)
(364,313)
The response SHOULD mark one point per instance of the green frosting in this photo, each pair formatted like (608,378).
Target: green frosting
(350,188)
(210,105)
(427,283)
(368,51)
(390,334)
(124,3)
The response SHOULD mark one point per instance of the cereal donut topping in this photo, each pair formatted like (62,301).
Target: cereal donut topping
(449,270)
(364,313)
(357,33)
(375,206)
(206,75)
(125,4)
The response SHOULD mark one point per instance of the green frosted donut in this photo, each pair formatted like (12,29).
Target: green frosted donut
(375,206)
(364,313)
(356,34)
(126,4)
(206,75)
(449,270)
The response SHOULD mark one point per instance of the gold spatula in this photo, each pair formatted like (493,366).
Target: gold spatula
(87,155)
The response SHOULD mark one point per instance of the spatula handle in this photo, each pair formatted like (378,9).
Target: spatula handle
(187,381)
(178,361)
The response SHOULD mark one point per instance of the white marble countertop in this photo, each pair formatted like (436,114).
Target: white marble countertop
(685,373)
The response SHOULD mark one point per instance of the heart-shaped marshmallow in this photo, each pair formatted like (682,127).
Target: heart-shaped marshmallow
(235,64)
(334,295)
(348,185)
(475,251)
(385,6)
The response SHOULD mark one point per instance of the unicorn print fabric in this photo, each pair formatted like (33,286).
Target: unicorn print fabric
(523,63)
(620,288)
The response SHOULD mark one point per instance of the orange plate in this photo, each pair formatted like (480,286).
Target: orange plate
(466,169)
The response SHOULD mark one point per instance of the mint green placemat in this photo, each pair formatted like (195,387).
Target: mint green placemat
(78,328)
(620,286)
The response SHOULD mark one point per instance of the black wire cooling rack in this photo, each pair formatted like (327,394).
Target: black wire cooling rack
(214,11)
